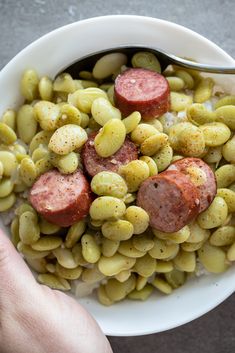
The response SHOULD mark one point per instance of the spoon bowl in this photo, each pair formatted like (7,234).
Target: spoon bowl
(87,62)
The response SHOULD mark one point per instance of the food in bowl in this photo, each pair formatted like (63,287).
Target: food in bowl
(112,177)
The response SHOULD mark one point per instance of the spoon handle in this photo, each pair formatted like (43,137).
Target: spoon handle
(201,67)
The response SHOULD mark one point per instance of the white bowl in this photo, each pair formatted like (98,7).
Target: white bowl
(53,52)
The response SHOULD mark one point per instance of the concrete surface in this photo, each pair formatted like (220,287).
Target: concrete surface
(21,22)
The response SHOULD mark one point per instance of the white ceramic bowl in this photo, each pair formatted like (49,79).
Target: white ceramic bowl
(53,52)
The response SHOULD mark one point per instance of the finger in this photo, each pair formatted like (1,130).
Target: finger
(13,271)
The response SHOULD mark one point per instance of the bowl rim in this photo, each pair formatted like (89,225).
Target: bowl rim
(69,26)
(98,19)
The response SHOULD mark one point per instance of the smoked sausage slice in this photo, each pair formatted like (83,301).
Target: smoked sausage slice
(142,90)
(61,199)
(201,175)
(94,164)
(170,199)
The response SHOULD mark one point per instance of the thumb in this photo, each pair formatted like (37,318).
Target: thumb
(14,273)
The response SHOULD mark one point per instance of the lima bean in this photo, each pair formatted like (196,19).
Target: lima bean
(47,114)
(83,98)
(228,150)
(138,217)
(141,282)
(151,164)
(142,132)
(191,247)
(64,83)
(163,266)
(143,242)
(163,250)
(109,184)
(92,275)
(203,90)
(215,134)
(7,202)
(90,249)
(229,197)
(119,290)
(127,248)
(45,88)
(110,138)
(226,115)
(227,100)
(163,157)
(26,123)
(142,294)
(131,121)
(102,296)
(102,111)
(108,64)
(109,247)
(212,258)
(29,230)
(153,144)
(68,115)
(28,252)
(9,118)
(213,155)
(47,243)
(66,164)
(180,101)
(15,237)
(67,138)
(186,77)
(41,138)
(175,278)
(111,266)
(28,171)
(107,207)
(7,134)
(29,85)
(176,83)
(162,285)
(47,227)
(185,261)
(68,273)
(197,234)
(65,258)
(146,60)
(118,230)
(223,236)
(177,237)
(134,173)
(54,282)
(9,162)
(123,275)
(225,175)
(145,266)
(6,187)
(231,253)
(74,233)
(215,214)
(198,114)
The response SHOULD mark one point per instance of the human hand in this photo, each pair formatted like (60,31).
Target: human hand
(36,319)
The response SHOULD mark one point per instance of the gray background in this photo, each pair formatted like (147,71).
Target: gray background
(21,22)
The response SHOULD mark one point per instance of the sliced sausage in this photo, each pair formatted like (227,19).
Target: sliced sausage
(142,90)
(170,199)
(201,175)
(61,199)
(94,164)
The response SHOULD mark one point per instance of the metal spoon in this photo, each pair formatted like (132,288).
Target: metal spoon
(87,62)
